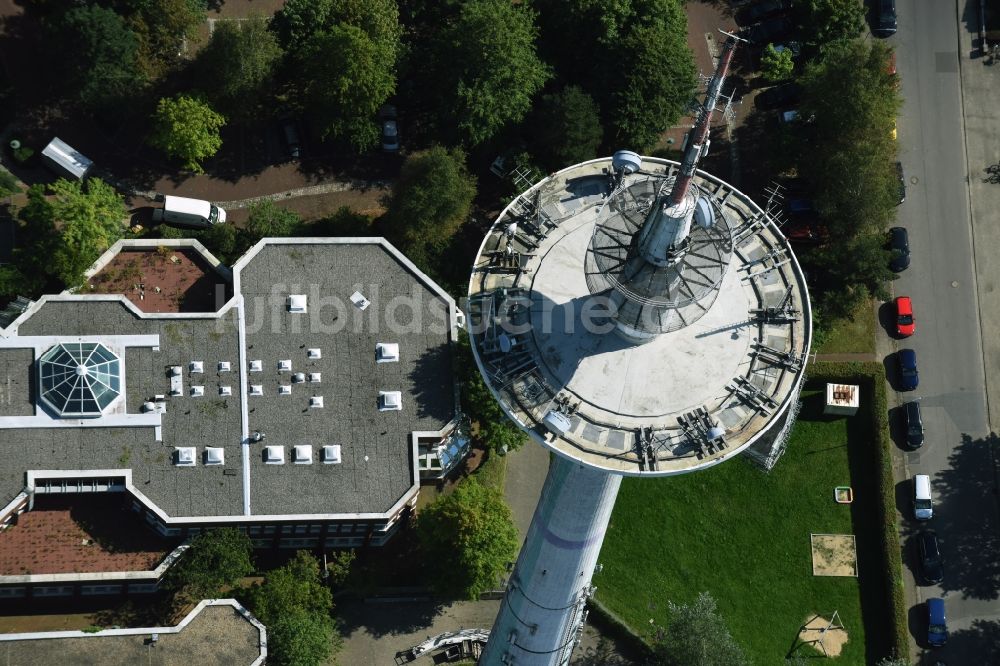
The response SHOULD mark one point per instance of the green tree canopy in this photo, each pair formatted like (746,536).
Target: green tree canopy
(776,65)
(295,606)
(104,66)
(217,558)
(348,77)
(430,201)
(235,69)
(299,20)
(161,26)
(829,20)
(696,635)
(187,128)
(83,220)
(568,128)
(468,538)
(268,220)
(485,69)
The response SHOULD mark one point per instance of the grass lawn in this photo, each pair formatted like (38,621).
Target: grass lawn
(743,536)
(847,336)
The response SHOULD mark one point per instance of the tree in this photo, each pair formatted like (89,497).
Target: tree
(299,20)
(348,78)
(487,68)
(829,20)
(568,128)
(429,202)
(468,538)
(776,65)
(8,183)
(104,67)
(267,220)
(696,635)
(161,26)
(236,68)
(295,606)
(187,128)
(70,230)
(217,558)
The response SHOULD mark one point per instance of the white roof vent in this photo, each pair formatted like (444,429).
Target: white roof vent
(331,454)
(302,454)
(386,352)
(196,366)
(314,353)
(297,303)
(285,389)
(256,389)
(224,366)
(148,406)
(298,377)
(175,371)
(225,390)
(184,456)
(557,422)
(197,391)
(215,455)
(176,381)
(315,377)
(390,401)
(359,300)
(316,402)
(256,366)
(285,365)
(274,455)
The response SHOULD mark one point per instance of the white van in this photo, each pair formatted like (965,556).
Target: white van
(189,212)
(923,507)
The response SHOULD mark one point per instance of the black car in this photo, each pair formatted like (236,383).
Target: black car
(769,30)
(914,425)
(931,569)
(784,95)
(885,18)
(902,182)
(761,10)
(899,244)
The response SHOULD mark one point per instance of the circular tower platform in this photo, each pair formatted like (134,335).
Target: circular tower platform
(547,327)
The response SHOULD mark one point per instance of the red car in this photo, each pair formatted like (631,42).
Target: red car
(904,317)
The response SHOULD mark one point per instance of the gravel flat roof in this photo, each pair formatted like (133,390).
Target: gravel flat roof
(377,450)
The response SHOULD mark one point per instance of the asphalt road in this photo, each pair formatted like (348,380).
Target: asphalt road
(942,279)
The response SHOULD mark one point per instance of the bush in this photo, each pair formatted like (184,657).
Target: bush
(22,153)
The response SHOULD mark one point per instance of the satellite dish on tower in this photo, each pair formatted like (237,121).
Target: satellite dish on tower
(703,213)
(627,161)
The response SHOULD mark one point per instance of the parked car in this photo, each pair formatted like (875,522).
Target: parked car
(782,95)
(290,135)
(909,378)
(390,129)
(902,182)
(914,424)
(806,232)
(899,244)
(905,326)
(937,623)
(885,18)
(184,212)
(761,10)
(931,569)
(769,30)
(788,117)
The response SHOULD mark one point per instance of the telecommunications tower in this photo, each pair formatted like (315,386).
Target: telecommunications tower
(637,317)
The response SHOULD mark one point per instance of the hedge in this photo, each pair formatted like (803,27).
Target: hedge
(871,378)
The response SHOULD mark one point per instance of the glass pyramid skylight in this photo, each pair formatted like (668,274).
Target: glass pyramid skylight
(79,378)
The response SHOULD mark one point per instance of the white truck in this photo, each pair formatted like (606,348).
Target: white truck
(184,212)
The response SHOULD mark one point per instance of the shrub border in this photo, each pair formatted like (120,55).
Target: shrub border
(871,377)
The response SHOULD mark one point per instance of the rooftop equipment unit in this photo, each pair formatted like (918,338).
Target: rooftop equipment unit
(184,456)
(297,303)
(315,377)
(389,401)
(256,366)
(331,454)
(285,389)
(225,390)
(197,391)
(274,455)
(302,454)
(256,389)
(314,353)
(215,455)
(285,365)
(224,366)
(196,366)
(316,402)
(360,302)
(557,423)
(386,352)
(298,377)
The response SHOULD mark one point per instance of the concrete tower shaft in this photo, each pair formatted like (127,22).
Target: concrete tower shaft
(544,604)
